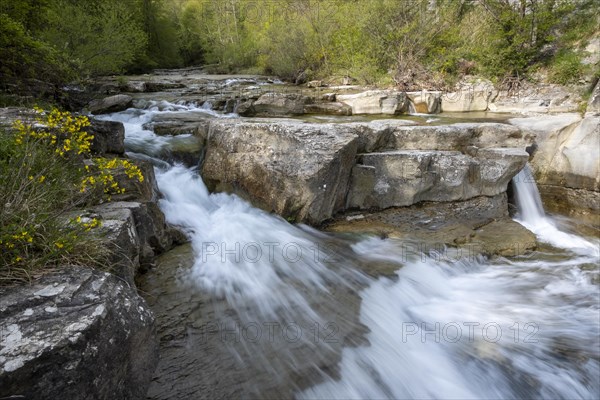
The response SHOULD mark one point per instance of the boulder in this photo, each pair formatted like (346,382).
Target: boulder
(275,104)
(110,104)
(109,137)
(181,122)
(297,170)
(159,86)
(570,156)
(75,333)
(404,177)
(137,232)
(376,102)
(330,108)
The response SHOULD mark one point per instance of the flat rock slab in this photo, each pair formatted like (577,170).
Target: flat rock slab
(405,177)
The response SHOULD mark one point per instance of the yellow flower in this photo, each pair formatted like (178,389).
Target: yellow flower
(59,245)
(41,179)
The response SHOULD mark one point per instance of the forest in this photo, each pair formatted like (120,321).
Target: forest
(407,43)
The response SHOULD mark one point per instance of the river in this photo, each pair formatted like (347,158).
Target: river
(259,307)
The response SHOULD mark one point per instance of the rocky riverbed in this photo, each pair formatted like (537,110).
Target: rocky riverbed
(377,182)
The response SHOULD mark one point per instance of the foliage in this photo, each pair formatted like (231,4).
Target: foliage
(102,37)
(46,174)
(415,42)
(566,68)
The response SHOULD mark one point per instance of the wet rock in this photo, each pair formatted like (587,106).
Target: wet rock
(426,102)
(178,123)
(159,86)
(505,238)
(110,104)
(139,232)
(376,102)
(297,170)
(75,332)
(212,347)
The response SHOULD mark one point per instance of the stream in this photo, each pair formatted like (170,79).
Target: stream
(255,307)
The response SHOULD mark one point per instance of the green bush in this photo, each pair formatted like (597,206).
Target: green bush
(566,68)
(46,175)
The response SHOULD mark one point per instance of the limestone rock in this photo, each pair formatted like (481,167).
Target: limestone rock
(457,137)
(331,108)
(275,104)
(405,177)
(593,106)
(110,104)
(470,96)
(570,157)
(75,333)
(376,102)
(297,170)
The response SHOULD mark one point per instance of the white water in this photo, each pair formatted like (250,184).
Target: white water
(532,216)
(427,336)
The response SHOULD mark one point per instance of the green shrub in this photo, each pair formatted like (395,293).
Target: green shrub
(566,68)
(45,175)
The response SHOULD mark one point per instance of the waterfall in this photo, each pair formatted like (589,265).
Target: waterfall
(529,202)
(531,215)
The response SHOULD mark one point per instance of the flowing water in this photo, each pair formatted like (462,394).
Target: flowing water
(258,307)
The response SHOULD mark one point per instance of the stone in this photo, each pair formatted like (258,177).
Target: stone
(457,137)
(182,122)
(75,332)
(315,84)
(275,104)
(570,157)
(505,238)
(537,98)
(426,102)
(405,177)
(118,232)
(137,226)
(470,96)
(109,137)
(110,104)
(159,86)
(593,106)
(376,102)
(330,108)
(297,170)
(245,109)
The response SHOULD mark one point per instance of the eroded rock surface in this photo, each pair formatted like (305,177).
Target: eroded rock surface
(75,333)
(309,172)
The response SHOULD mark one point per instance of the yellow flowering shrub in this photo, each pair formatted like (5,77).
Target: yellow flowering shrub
(46,171)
